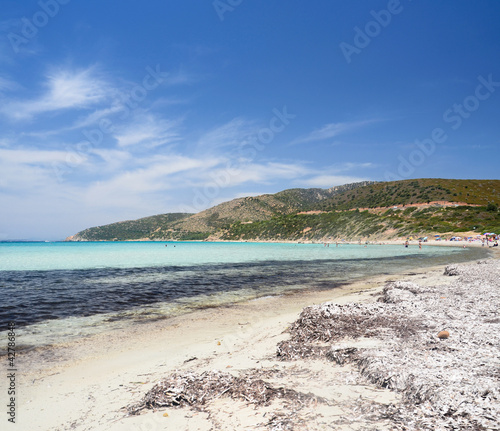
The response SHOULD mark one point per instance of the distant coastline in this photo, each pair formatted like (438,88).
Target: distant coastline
(366,212)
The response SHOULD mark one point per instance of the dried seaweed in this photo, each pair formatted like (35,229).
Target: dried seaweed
(332,322)
(195,390)
(342,355)
(451,270)
(447,383)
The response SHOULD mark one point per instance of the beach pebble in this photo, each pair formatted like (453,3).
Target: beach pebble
(443,335)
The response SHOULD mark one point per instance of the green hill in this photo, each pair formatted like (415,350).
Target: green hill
(199,226)
(387,194)
(259,208)
(388,210)
(130,229)
(355,224)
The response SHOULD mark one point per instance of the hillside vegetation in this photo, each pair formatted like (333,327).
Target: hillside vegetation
(355,224)
(143,228)
(361,210)
(258,208)
(388,194)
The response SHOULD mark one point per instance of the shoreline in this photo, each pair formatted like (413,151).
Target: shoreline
(92,379)
(60,331)
(118,376)
(340,243)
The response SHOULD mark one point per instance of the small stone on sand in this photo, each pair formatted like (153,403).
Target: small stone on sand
(443,335)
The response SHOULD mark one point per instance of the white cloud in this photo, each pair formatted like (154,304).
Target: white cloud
(227,174)
(135,169)
(94,118)
(28,171)
(110,155)
(8,85)
(91,121)
(331,130)
(31,156)
(110,161)
(349,166)
(233,133)
(164,173)
(148,130)
(65,90)
(4,142)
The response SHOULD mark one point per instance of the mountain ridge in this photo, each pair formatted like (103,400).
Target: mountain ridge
(314,214)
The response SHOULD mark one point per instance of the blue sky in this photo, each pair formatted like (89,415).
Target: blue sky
(112,111)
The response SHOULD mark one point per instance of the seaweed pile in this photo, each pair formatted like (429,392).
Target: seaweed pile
(450,382)
(319,325)
(195,390)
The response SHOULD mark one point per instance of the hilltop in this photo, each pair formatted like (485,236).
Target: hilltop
(367,210)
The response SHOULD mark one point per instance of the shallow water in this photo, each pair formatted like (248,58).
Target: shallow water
(58,291)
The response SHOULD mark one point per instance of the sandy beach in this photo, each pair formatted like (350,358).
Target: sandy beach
(94,383)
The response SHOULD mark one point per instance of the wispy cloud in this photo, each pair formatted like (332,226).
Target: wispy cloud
(8,84)
(331,130)
(146,183)
(137,166)
(149,130)
(66,89)
(233,133)
(31,156)
(26,171)
(349,166)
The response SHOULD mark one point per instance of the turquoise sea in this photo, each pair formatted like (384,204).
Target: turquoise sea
(58,291)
